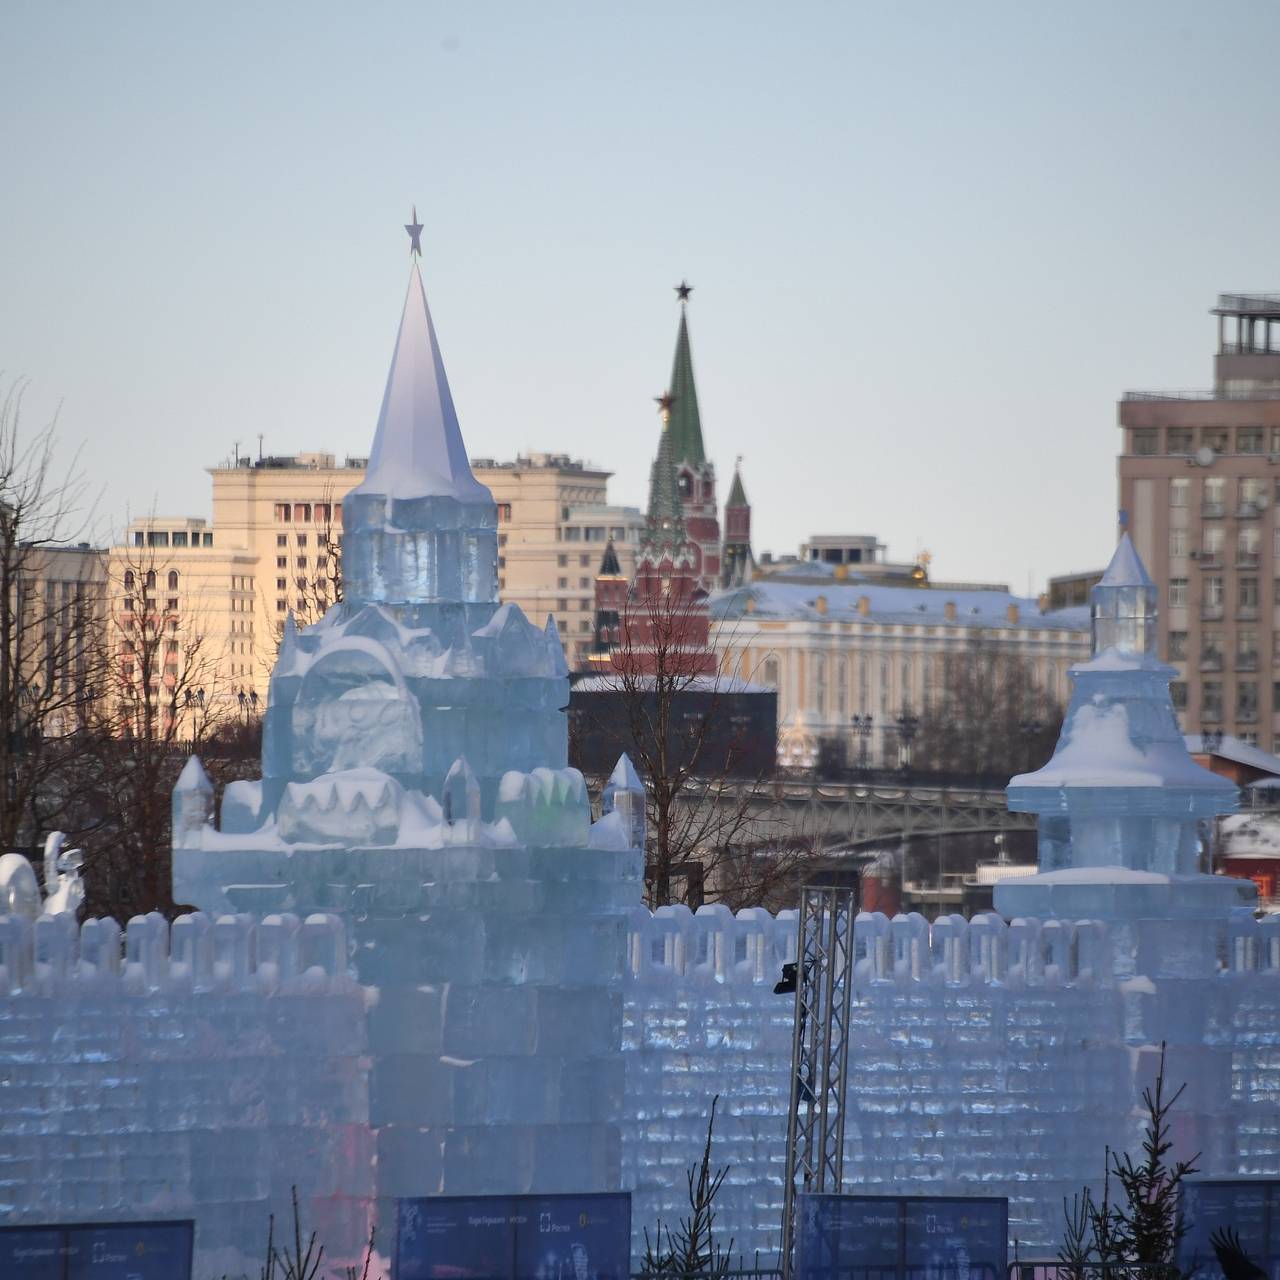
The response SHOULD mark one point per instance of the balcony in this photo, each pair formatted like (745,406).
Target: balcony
(1247,613)
(1248,511)
(1209,559)
(1212,510)
(1211,612)
(1246,715)
(1246,662)
(1211,713)
(1211,662)
(1248,559)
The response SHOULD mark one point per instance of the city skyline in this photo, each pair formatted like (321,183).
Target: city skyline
(913,305)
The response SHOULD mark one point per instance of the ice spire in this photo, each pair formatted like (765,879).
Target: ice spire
(418,450)
(420,531)
(1124,605)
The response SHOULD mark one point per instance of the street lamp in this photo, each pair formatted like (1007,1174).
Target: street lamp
(862,727)
(907,724)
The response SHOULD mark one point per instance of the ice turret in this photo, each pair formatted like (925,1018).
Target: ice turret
(624,795)
(192,798)
(1123,810)
(420,529)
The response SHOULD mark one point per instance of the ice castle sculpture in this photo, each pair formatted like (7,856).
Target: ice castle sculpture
(418,966)
(1122,809)
(414,783)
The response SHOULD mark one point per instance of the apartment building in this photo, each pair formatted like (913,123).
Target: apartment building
(1199,475)
(273,546)
(195,605)
(554,522)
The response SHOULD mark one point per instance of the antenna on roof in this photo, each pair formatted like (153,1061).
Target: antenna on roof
(259,446)
(235,445)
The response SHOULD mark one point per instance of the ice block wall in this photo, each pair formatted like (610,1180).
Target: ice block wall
(987,1059)
(201,1071)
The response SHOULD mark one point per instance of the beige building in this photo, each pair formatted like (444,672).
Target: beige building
(273,546)
(849,655)
(1199,477)
(59,606)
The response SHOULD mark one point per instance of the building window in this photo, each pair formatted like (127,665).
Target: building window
(179,539)
(1211,651)
(128,577)
(1247,700)
(1211,539)
(1214,438)
(1146,441)
(173,580)
(302,562)
(504,513)
(128,604)
(283,512)
(1177,543)
(584,562)
(282,562)
(302,511)
(820,686)
(155,539)
(1177,646)
(1249,440)
(206,539)
(562,562)
(1215,494)
(573,534)
(1248,546)
(281,605)
(1178,694)
(1211,700)
(322,513)
(1246,651)
(1179,439)
(1214,591)
(302,584)
(1251,492)
(562,606)
(171,604)
(282,539)
(302,539)
(771,672)
(138,539)
(281,584)
(584,582)
(1177,592)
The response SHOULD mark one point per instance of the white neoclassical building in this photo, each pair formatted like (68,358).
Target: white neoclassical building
(837,645)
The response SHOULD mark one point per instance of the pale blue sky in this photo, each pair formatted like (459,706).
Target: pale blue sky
(931,243)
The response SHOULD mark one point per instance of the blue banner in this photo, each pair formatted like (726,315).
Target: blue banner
(1249,1208)
(901,1237)
(583,1237)
(98,1251)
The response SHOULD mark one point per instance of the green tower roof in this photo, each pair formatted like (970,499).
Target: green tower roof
(665,524)
(737,494)
(686,425)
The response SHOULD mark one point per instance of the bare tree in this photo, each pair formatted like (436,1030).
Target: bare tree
(715,830)
(166,696)
(50,599)
(989,717)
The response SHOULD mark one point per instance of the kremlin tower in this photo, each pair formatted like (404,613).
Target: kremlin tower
(737,560)
(695,472)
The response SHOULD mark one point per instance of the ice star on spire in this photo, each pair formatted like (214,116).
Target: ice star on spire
(683,290)
(414,229)
(664,403)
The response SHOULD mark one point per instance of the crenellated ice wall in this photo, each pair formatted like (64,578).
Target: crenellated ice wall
(198,1071)
(985,1058)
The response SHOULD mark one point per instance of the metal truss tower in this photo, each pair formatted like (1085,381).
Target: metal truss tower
(820,1042)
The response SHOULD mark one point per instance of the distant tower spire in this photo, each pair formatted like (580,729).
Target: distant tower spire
(736,559)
